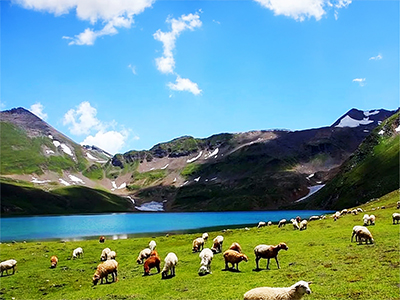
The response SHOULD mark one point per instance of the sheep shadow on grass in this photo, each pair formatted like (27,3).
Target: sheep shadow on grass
(231,270)
(168,276)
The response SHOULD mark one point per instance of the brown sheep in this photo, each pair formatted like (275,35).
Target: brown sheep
(102,239)
(198,245)
(268,252)
(236,247)
(54,261)
(233,257)
(105,268)
(217,244)
(152,262)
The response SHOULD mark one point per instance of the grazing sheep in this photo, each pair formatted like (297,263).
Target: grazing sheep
(111,255)
(366,219)
(372,220)
(104,254)
(268,252)
(344,212)
(303,225)
(233,257)
(236,246)
(269,223)
(282,223)
(144,254)
(355,229)
(53,261)
(294,292)
(354,212)
(152,262)
(314,218)
(217,244)
(396,217)
(364,234)
(295,224)
(398,205)
(198,245)
(152,245)
(78,252)
(359,209)
(102,239)
(261,224)
(170,262)
(7,265)
(105,268)
(206,256)
(205,236)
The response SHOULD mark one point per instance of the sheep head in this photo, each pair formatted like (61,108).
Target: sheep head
(96,278)
(302,287)
(283,246)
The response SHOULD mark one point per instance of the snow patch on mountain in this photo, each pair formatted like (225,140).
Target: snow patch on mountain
(313,189)
(35,180)
(62,181)
(398,129)
(163,168)
(348,121)
(90,156)
(195,158)
(214,153)
(49,151)
(66,149)
(371,112)
(76,179)
(151,206)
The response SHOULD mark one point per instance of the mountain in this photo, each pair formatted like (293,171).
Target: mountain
(257,170)
(370,172)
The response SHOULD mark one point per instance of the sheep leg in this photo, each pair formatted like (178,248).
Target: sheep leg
(158,268)
(268,264)
(13,270)
(226,265)
(276,258)
(257,260)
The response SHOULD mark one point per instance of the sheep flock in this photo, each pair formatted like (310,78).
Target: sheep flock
(212,248)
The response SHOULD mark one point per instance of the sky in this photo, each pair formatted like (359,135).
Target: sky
(128,74)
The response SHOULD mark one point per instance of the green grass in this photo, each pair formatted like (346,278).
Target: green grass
(94,172)
(322,254)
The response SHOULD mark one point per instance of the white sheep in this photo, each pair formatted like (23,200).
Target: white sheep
(7,265)
(206,257)
(217,244)
(314,218)
(143,255)
(355,229)
(372,220)
(198,244)
(303,225)
(295,224)
(205,236)
(364,234)
(78,252)
(152,245)
(170,262)
(282,223)
(396,217)
(269,223)
(111,255)
(105,268)
(366,219)
(354,211)
(359,209)
(261,224)
(294,292)
(268,252)
(104,253)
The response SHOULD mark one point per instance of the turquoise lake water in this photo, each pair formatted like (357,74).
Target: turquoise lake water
(121,225)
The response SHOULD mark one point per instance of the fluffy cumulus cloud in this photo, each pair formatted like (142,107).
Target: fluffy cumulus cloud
(378,57)
(37,109)
(303,9)
(166,63)
(361,81)
(110,141)
(184,84)
(83,121)
(113,13)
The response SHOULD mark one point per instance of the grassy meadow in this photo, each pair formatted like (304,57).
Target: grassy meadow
(323,254)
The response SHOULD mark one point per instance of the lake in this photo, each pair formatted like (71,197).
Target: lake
(120,225)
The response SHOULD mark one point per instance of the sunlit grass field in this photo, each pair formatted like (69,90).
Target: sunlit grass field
(323,254)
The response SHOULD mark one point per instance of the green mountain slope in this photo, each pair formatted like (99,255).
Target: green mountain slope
(24,199)
(372,171)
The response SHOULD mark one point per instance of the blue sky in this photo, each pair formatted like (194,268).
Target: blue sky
(127,75)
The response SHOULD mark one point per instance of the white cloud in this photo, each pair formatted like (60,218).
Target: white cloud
(110,141)
(133,69)
(361,81)
(302,9)
(378,57)
(82,120)
(37,109)
(184,84)
(113,13)
(166,63)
